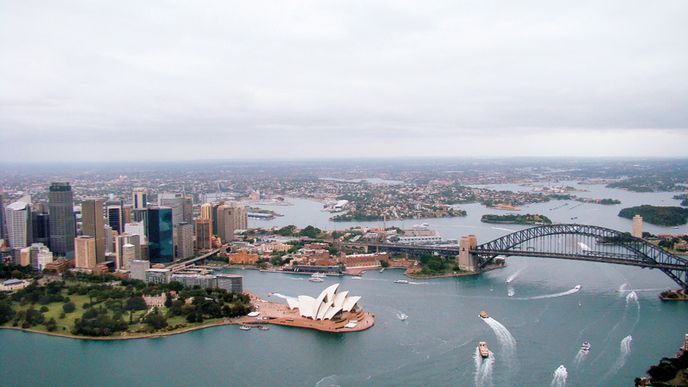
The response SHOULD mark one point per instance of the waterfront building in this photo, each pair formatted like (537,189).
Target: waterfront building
(229,219)
(85,252)
(62,222)
(138,268)
(204,234)
(230,282)
(160,245)
(243,257)
(185,242)
(638,226)
(327,306)
(18,216)
(93,224)
(158,276)
(190,280)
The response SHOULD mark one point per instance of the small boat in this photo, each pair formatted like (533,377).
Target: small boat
(381,270)
(401,281)
(483,350)
(245,328)
(402,316)
(585,347)
(253,314)
(316,278)
(577,287)
(483,314)
(357,277)
(263,328)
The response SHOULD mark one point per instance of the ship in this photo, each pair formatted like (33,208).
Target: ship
(585,347)
(483,350)
(483,314)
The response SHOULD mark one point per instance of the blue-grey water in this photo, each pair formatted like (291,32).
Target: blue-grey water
(547,319)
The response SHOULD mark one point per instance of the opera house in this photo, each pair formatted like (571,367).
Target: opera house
(327,306)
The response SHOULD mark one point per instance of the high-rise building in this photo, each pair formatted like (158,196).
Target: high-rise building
(187,210)
(638,226)
(109,239)
(185,244)
(138,269)
(159,230)
(85,252)
(139,199)
(175,201)
(40,223)
(121,260)
(207,211)
(62,223)
(18,216)
(3,224)
(115,217)
(93,224)
(127,214)
(203,234)
(229,219)
(136,228)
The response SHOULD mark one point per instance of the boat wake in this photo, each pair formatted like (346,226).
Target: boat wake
(559,377)
(510,291)
(632,298)
(418,283)
(503,229)
(506,340)
(561,294)
(622,288)
(282,296)
(625,351)
(514,275)
(483,368)
(580,358)
(328,381)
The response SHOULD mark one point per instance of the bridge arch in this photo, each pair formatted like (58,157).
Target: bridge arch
(608,245)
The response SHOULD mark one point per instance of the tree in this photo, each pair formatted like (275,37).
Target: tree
(51,325)
(384,263)
(6,311)
(155,319)
(136,303)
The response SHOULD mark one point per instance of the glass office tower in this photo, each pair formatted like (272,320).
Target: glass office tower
(159,227)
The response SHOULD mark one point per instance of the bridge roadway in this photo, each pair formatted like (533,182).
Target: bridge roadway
(181,265)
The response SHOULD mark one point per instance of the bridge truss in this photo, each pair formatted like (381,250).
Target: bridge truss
(584,243)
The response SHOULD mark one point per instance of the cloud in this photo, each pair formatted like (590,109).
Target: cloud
(340,76)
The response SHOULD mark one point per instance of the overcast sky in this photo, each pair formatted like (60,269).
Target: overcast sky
(170,80)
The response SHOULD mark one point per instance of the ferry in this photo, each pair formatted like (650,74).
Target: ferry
(401,281)
(484,351)
(483,314)
(245,328)
(577,287)
(585,347)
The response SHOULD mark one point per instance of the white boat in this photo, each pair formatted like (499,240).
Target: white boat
(585,347)
(401,281)
(402,316)
(577,287)
(357,277)
(317,277)
(245,328)
(253,314)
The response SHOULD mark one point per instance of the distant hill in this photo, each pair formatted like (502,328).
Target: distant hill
(662,216)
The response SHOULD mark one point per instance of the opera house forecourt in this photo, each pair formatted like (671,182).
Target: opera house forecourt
(329,312)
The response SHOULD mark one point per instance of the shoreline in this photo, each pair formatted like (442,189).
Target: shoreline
(451,275)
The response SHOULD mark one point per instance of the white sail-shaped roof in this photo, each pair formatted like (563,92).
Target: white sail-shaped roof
(326,306)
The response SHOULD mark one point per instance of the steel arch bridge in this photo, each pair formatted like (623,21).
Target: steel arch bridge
(584,243)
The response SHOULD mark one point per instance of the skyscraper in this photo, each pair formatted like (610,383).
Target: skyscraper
(159,227)
(115,216)
(85,253)
(185,245)
(139,199)
(230,219)
(18,224)
(3,224)
(203,234)
(93,224)
(62,224)
(187,210)
(638,226)
(40,222)
(207,211)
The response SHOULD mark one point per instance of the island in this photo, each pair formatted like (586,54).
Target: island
(516,219)
(659,215)
(683,198)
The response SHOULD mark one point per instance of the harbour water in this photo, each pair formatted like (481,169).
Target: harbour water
(535,330)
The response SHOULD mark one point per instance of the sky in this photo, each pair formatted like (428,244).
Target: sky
(172,80)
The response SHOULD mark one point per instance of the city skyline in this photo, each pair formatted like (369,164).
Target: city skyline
(315,80)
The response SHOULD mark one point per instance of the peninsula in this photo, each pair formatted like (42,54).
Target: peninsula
(659,215)
(516,219)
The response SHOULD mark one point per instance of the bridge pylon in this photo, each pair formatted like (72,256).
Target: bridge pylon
(466,260)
